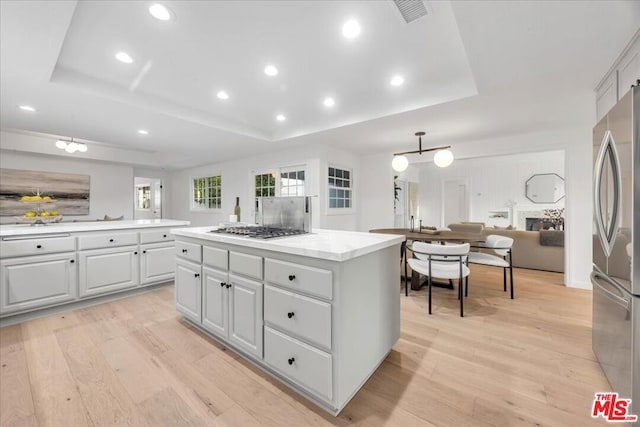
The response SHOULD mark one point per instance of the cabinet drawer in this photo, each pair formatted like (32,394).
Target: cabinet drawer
(216,258)
(307,318)
(107,240)
(310,280)
(155,236)
(303,364)
(247,265)
(190,251)
(37,246)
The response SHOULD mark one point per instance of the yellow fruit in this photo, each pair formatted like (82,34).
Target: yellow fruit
(25,198)
(44,213)
(30,214)
(46,199)
(54,213)
(36,198)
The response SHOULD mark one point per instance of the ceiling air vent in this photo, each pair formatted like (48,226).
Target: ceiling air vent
(411,9)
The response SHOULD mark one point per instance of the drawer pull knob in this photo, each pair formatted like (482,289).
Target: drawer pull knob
(72,261)
(222,284)
(291,360)
(228,285)
(144,252)
(164,235)
(197,275)
(292,276)
(135,253)
(290,314)
(111,240)
(184,251)
(39,246)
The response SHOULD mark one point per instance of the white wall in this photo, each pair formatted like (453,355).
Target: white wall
(492,182)
(237,182)
(111,185)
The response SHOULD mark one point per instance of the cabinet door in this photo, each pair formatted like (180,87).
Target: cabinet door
(36,281)
(157,263)
(108,270)
(245,314)
(188,290)
(215,309)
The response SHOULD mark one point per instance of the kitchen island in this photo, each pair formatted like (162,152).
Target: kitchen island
(43,268)
(319,311)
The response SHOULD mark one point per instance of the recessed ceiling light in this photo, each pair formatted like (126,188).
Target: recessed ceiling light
(124,57)
(397,81)
(160,12)
(329,102)
(351,29)
(143,132)
(222,95)
(281,117)
(27,108)
(271,70)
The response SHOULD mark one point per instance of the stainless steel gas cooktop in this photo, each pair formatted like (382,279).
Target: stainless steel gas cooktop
(259,232)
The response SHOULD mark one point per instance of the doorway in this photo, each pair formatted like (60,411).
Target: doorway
(147,203)
(455,201)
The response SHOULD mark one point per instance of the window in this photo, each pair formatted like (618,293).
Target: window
(266,184)
(340,188)
(292,182)
(207,193)
(143,196)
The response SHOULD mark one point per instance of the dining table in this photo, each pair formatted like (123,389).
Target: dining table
(441,236)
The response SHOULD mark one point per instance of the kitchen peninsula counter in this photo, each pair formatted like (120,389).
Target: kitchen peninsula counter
(318,311)
(9,230)
(54,267)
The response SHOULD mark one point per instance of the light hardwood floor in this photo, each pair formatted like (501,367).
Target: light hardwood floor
(136,362)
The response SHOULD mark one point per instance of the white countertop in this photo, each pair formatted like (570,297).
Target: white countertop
(7,230)
(331,245)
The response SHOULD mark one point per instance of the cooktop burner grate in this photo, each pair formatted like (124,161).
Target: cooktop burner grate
(259,232)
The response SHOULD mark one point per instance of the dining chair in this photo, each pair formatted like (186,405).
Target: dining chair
(441,262)
(501,256)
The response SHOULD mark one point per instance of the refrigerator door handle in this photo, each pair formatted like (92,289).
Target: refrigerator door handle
(607,227)
(621,301)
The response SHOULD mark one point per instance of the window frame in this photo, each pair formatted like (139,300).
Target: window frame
(336,210)
(192,206)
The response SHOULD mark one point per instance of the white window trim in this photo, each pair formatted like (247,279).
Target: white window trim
(339,211)
(204,210)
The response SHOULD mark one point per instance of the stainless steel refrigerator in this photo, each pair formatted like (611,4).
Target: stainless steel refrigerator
(616,247)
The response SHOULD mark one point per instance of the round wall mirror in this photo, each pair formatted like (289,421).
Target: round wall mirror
(545,188)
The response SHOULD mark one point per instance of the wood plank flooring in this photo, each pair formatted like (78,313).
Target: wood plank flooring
(135,362)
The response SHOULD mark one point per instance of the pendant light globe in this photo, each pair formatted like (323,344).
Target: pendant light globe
(400,163)
(443,158)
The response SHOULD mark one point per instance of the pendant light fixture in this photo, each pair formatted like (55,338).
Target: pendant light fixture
(70,146)
(443,157)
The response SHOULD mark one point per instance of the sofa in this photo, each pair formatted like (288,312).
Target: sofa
(527,250)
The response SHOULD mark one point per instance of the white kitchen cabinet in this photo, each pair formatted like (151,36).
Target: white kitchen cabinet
(245,314)
(320,314)
(617,82)
(157,263)
(232,303)
(188,289)
(107,270)
(103,258)
(629,68)
(215,309)
(36,281)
